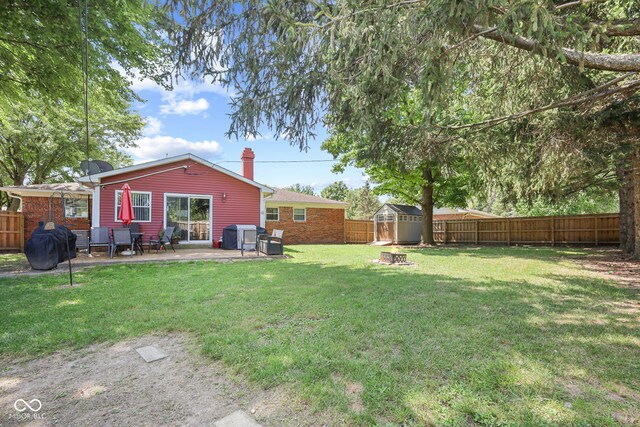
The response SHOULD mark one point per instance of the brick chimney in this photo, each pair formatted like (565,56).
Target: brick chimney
(247,163)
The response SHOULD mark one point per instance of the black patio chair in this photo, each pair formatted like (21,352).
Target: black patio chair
(164,240)
(271,245)
(249,238)
(82,240)
(136,236)
(121,238)
(99,239)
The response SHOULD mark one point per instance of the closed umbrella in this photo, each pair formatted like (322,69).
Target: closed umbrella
(126,207)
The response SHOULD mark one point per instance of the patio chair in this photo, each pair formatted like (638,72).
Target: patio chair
(121,238)
(162,242)
(82,240)
(136,236)
(134,227)
(99,239)
(271,245)
(249,238)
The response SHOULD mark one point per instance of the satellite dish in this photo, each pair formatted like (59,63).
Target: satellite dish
(92,167)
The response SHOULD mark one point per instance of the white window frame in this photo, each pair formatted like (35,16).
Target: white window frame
(300,220)
(115,202)
(189,196)
(76,198)
(277,214)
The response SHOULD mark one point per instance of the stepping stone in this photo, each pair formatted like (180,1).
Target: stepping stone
(237,419)
(150,353)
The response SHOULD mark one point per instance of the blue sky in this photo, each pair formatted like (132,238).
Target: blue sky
(194,118)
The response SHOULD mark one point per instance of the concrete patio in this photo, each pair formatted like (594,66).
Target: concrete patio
(102,258)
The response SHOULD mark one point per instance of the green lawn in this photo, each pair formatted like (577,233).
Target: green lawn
(491,336)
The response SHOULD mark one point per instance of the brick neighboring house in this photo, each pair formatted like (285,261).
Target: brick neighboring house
(42,202)
(305,218)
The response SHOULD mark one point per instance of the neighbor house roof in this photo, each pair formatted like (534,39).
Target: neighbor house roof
(97,178)
(405,209)
(47,190)
(463,211)
(283,197)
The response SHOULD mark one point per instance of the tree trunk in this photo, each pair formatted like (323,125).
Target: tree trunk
(635,173)
(427,207)
(625,193)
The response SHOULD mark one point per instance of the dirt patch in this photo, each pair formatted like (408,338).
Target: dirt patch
(112,385)
(353,391)
(613,265)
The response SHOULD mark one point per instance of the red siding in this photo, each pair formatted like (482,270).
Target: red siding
(242,205)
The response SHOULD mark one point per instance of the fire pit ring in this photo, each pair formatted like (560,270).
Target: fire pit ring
(393,258)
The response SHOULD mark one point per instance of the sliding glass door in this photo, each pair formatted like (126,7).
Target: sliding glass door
(191,214)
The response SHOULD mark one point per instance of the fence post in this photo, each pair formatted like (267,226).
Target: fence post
(445,232)
(596,229)
(477,232)
(508,231)
(553,231)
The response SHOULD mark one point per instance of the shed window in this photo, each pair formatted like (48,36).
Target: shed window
(141,201)
(76,208)
(380,218)
(273,214)
(300,214)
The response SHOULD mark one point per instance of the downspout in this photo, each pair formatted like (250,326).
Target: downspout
(15,196)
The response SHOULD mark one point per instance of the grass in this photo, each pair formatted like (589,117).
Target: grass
(492,336)
(10,262)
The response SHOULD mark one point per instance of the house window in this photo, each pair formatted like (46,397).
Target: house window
(300,215)
(273,214)
(141,201)
(76,208)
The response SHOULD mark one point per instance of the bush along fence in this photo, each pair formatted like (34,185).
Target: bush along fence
(602,229)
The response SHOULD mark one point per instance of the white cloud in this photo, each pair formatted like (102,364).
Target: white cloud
(161,146)
(258,137)
(153,127)
(183,107)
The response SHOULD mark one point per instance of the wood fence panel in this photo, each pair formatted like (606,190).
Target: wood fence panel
(603,229)
(358,231)
(11,231)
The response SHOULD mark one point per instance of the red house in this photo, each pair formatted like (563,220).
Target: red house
(196,196)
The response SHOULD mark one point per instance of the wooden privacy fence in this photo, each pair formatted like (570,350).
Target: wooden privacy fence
(11,231)
(603,229)
(358,231)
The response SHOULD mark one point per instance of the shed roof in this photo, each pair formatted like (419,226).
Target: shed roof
(405,209)
(288,196)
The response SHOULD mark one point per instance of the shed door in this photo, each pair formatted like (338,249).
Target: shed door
(385,227)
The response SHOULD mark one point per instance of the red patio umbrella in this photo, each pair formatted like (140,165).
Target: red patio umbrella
(126,207)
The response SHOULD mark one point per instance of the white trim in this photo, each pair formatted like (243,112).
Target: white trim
(294,215)
(95,208)
(189,196)
(96,178)
(279,204)
(115,199)
(263,211)
(275,220)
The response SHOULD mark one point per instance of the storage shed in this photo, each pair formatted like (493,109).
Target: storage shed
(398,224)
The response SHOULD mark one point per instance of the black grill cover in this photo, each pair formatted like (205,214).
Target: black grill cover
(46,248)
(230,236)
